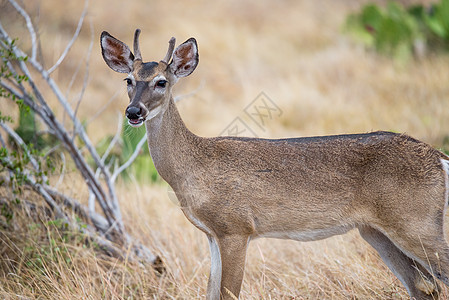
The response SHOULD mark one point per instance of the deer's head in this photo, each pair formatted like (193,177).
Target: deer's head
(149,84)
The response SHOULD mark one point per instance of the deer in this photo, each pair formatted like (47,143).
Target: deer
(391,187)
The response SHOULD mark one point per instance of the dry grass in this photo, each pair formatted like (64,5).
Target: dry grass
(295,52)
(38,263)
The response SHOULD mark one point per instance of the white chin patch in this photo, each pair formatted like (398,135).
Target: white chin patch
(135,122)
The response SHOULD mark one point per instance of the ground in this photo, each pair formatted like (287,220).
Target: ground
(321,82)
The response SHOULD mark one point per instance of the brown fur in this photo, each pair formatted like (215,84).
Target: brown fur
(393,188)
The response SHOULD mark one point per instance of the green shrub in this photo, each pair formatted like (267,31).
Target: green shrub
(400,32)
(143,167)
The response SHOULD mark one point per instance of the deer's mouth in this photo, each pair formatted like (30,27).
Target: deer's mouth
(136,122)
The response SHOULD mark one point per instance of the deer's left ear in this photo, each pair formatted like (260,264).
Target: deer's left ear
(185,58)
(116,54)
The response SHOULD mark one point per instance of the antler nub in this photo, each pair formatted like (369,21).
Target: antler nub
(137,54)
(171,47)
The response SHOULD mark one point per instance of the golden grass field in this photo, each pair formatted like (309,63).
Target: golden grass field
(296,53)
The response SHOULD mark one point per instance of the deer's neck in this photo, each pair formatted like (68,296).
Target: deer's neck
(171,144)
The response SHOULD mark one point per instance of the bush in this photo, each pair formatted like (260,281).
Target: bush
(400,32)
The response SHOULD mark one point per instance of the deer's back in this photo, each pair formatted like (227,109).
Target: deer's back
(345,156)
(346,177)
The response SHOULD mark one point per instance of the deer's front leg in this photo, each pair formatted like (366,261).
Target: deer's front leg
(228,255)
(214,284)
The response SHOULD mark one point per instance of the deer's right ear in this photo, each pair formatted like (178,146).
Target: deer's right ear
(116,54)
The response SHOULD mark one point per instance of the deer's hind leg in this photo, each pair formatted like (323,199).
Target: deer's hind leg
(233,256)
(416,279)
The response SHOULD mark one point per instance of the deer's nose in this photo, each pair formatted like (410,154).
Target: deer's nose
(133,112)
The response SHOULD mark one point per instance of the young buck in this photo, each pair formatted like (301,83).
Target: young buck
(391,187)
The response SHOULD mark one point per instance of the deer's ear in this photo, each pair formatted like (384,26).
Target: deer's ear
(116,54)
(185,58)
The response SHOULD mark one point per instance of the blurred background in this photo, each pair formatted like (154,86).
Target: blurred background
(328,67)
(296,52)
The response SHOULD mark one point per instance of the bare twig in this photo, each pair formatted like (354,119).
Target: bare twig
(130,160)
(113,141)
(98,220)
(38,188)
(80,130)
(72,41)
(48,116)
(73,150)
(101,188)
(26,99)
(91,199)
(22,144)
(30,27)
(2,141)
(101,110)
(12,90)
(72,81)
(86,73)
(181,97)
(91,202)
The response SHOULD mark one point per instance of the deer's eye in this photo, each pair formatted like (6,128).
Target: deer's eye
(128,81)
(161,83)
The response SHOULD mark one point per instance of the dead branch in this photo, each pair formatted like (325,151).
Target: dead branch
(6,162)
(72,41)
(131,159)
(107,229)
(20,143)
(30,27)
(102,109)
(86,73)
(112,143)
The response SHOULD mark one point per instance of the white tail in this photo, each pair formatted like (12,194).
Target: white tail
(391,187)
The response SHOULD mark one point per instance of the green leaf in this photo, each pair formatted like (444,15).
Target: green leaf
(435,25)
(372,16)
